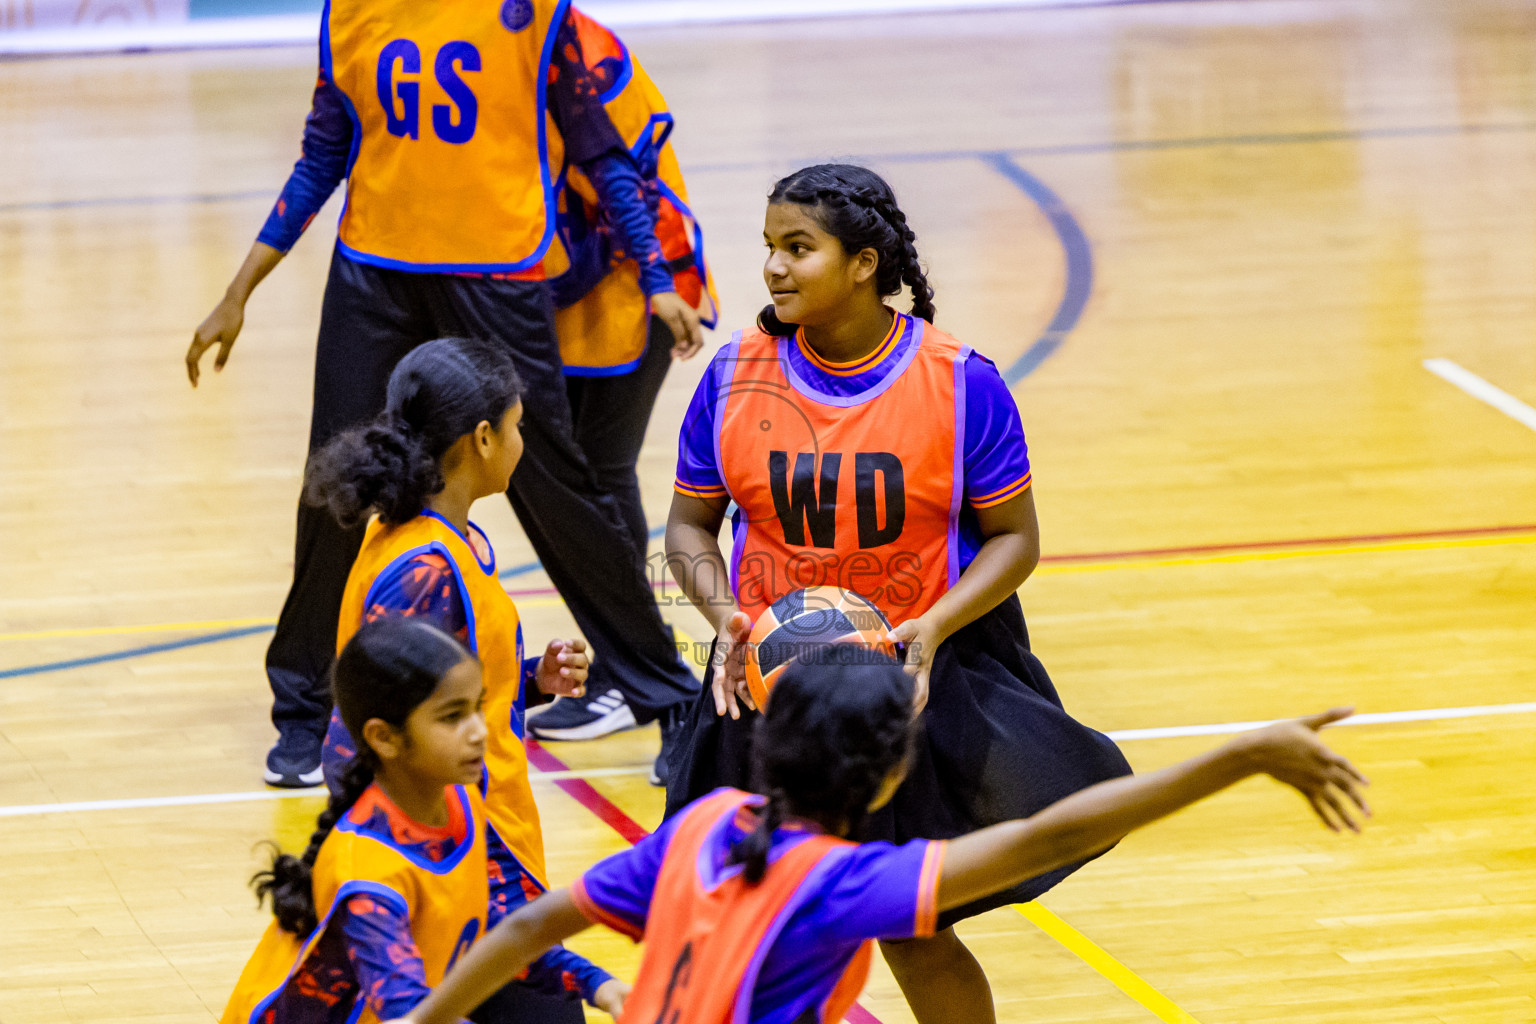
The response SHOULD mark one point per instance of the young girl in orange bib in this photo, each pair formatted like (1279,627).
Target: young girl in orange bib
(760,911)
(393,887)
(866,449)
(448,436)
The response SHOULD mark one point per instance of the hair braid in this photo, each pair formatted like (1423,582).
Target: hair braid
(289,882)
(752,852)
(911,270)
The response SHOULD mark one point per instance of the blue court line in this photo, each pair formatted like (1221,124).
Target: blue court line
(935,156)
(203,198)
(527,567)
(133,652)
(1079,255)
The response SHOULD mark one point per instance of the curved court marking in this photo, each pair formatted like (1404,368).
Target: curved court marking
(1079,255)
(559,774)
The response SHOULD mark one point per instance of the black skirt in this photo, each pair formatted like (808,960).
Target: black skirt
(995,745)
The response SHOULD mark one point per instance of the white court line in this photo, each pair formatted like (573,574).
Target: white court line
(1481,390)
(1170,732)
(203,799)
(1372,718)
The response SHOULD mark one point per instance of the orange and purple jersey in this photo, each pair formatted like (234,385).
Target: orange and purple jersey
(398,903)
(333,140)
(494,635)
(864,475)
(790,950)
(602,299)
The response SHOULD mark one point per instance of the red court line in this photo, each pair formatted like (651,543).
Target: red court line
(632,831)
(1210,549)
(582,792)
(1282,545)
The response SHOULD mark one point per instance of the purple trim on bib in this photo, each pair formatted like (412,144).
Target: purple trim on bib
(809,886)
(958,466)
(868,395)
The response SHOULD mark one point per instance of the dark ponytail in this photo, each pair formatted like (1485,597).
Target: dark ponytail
(384,672)
(839,721)
(858,208)
(438,393)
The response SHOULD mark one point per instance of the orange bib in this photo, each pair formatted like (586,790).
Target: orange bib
(444,901)
(454,153)
(704,947)
(605,332)
(860,492)
(496,637)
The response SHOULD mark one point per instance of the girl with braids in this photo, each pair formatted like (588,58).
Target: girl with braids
(865,449)
(392,887)
(449,434)
(761,911)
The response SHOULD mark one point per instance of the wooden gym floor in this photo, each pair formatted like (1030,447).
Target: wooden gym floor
(1213,242)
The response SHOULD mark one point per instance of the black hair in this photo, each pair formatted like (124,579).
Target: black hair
(839,720)
(385,671)
(858,208)
(438,393)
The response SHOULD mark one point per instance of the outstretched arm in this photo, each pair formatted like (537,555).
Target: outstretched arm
(1003,855)
(499,957)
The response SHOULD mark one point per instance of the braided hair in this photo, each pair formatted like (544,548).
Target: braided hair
(858,208)
(438,393)
(384,672)
(839,722)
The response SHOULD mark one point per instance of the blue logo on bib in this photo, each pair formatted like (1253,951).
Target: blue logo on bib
(517,15)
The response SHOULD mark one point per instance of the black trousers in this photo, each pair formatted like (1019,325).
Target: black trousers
(611,415)
(370,319)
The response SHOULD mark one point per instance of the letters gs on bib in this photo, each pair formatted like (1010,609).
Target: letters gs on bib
(401,97)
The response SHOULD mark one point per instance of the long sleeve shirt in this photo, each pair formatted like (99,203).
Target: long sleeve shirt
(591,143)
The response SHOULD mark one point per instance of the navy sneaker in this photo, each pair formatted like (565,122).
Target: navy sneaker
(294,761)
(582,718)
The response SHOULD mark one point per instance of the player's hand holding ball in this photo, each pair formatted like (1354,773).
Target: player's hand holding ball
(563,669)
(730,659)
(921,638)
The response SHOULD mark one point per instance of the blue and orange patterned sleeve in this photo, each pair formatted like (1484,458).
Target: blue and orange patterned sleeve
(698,471)
(424,587)
(996,455)
(594,144)
(325,161)
(390,975)
(559,971)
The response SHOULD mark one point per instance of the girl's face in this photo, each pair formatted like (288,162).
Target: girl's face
(502,448)
(444,738)
(811,278)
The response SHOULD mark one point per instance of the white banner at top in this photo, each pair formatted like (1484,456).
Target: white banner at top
(39,27)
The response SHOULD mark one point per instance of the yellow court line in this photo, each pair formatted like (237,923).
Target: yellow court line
(1116,973)
(1238,557)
